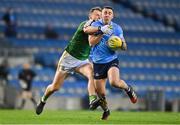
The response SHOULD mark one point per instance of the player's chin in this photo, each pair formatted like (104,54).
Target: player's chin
(107,20)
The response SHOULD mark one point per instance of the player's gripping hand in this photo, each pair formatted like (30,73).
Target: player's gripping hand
(124,46)
(88,23)
(107,29)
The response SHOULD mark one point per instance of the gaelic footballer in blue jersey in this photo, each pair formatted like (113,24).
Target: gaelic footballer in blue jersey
(105,60)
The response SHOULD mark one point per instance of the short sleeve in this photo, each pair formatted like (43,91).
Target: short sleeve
(119,32)
(95,24)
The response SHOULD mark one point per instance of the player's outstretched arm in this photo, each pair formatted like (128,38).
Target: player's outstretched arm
(107,29)
(90,29)
(87,28)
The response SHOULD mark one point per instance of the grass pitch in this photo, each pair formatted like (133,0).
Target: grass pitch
(86,117)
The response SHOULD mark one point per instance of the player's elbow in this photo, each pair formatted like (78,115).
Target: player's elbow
(91,43)
(85,30)
(88,30)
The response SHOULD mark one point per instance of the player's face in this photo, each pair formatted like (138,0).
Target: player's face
(107,15)
(95,15)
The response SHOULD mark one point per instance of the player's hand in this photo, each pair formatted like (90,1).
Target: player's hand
(88,23)
(107,29)
(124,46)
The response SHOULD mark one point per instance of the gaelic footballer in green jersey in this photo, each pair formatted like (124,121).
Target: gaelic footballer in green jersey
(79,47)
(74,58)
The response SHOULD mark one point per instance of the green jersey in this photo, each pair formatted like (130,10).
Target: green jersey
(79,47)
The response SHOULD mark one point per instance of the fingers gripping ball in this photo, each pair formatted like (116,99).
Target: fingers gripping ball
(114,43)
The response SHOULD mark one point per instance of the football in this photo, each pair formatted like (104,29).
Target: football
(114,43)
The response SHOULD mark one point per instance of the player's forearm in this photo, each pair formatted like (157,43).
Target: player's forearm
(93,40)
(124,45)
(90,29)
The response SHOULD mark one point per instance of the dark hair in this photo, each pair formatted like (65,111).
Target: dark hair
(95,8)
(108,7)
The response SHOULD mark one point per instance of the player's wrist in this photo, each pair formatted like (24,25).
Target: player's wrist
(100,30)
(106,29)
(124,47)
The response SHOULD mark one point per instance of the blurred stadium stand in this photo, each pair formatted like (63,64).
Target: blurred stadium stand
(151,28)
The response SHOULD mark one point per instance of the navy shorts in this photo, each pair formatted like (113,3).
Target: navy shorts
(101,70)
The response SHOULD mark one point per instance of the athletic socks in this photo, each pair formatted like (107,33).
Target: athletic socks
(103,104)
(92,98)
(44,98)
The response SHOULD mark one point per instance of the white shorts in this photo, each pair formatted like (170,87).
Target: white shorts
(69,63)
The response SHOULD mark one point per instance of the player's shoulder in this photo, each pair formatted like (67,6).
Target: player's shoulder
(116,25)
(97,22)
(117,28)
(81,25)
(83,22)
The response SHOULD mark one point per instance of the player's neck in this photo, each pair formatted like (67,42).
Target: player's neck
(106,22)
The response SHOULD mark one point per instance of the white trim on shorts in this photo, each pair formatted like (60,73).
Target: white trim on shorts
(69,63)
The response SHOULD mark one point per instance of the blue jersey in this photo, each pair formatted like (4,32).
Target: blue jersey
(100,52)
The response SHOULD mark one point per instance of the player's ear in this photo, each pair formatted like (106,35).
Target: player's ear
(112,15)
